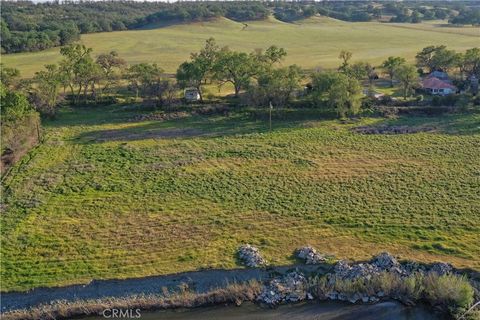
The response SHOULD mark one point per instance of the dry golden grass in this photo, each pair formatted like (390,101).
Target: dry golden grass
(311,43)
(184,298)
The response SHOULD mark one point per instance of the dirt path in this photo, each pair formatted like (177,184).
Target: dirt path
(200,281)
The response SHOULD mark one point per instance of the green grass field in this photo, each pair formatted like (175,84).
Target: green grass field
(310,43)
(105,197)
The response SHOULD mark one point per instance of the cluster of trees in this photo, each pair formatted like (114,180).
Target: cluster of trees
(354,11)
(89,79)
(439,58)
(291,11)
(83,79)
(348,11)
(264,81)
(15,104)
(430,59)
(456,12)
(20,123)
(28,26)
(343,89)
(257,77)
(416,13)
(467,16)
(199,11)
(240,69)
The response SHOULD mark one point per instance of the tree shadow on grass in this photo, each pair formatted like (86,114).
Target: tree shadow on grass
(452,124)
(162,24)
(94,115)
(199,126)
(193,127)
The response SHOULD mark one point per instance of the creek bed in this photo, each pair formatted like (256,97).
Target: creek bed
(389,310)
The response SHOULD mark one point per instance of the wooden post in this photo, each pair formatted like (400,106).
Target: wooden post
(270,118)
(38,133)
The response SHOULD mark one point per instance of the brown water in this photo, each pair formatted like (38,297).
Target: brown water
(303,311)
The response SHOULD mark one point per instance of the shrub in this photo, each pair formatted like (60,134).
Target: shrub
(18,137)
(451,291)
(184,297)
(448,101)
(386,100)
(20,127)
(476,100)
(463,101)
(388,112)
(15,105)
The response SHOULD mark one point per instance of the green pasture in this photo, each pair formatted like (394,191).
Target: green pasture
(107,197)
(311,43)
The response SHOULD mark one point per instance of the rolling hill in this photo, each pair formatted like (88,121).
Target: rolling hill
(311,43)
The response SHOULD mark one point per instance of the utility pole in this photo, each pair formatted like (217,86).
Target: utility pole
(38,132)
(270,118)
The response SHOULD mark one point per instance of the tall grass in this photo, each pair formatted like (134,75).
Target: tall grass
(450,292)
(184,298)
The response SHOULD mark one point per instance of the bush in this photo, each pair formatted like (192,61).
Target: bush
(386,100)
(388,112)
(446,101)
(18,137)
(463,101)
(368,102)
(451,291)
(15,105)
(476,100)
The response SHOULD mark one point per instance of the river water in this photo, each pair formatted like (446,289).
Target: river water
(303,311)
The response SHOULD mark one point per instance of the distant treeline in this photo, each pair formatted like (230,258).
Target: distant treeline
(26,26)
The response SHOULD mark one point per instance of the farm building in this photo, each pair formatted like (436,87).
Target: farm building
(440,75)
(474,85)
(436,86)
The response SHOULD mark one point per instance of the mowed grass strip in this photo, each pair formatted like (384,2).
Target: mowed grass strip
(107,198)
(310,43)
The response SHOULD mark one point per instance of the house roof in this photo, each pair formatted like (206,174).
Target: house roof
(435,83)
(439,74)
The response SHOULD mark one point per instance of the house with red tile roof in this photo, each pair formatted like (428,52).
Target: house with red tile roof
(436,86)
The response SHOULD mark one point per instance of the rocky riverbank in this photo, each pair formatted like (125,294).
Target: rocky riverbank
(319,278)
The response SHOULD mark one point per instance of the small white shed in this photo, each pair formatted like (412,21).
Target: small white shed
(192,94)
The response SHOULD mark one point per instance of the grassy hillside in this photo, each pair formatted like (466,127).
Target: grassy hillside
(105,197)
(310,43)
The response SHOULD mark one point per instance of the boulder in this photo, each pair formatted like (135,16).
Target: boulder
(289,288)
(385,261)
(342,269)
(345,271)
(250,256)
(441,268)
(310,255)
